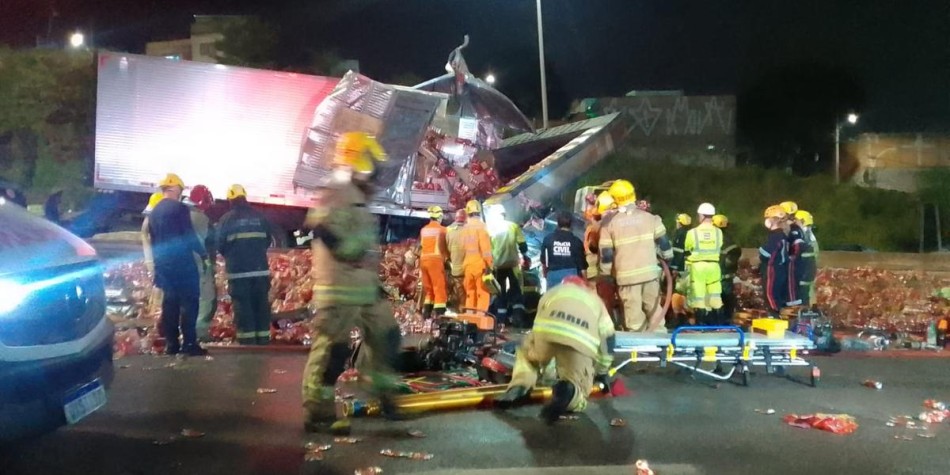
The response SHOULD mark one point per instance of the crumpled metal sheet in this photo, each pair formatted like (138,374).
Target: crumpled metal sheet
(491,109)
(397,116)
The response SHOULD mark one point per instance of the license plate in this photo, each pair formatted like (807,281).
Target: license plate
(84,401)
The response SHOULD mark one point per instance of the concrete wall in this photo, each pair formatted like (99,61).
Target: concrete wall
(891,161)
(690,130)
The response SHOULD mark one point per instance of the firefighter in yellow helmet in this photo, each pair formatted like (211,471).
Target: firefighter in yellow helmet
(629,239)
(796,239)
(605,284)
(433,255)
(175,247)
(807,266)
(703,247)
(478,261)
(773,260)
(243,238)
(346,286)
(729,265)
(453,239)
(574,329)
(678,263)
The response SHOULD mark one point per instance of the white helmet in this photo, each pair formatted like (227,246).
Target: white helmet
(706,209)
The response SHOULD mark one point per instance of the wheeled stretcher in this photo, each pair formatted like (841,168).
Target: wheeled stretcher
(688,347)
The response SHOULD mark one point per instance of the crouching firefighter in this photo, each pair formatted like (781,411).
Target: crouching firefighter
(574,328)
(346,287)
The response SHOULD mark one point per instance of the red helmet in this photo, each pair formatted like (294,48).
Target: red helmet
(574,280)
(201,196)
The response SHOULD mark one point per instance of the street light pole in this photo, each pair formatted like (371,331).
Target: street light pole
(837,152)
(544,82)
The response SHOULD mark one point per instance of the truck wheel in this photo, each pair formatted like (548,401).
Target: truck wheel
(279,237)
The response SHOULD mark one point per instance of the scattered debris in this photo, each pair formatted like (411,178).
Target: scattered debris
(406,455)
(767,412)
(315,451)
(368,471)
(935,405)
(618,422)
(266,390)
(569,417)
(191,433)
(125,366)
(164,441)
(834,423)
(347,440)
(870,383)
(417,433)
(209,358)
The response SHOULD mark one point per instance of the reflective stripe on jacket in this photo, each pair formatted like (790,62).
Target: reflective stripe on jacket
(703,243)
(243,239)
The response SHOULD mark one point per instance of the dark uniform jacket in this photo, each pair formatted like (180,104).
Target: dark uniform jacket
(174,246)
(243,239)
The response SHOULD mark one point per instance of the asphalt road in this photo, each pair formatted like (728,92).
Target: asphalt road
(680,425)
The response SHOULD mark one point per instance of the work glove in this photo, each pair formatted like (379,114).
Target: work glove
(604,380)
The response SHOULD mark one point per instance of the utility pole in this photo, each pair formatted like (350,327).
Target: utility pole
(544,82)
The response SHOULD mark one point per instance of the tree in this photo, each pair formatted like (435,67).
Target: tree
(47,105)
(246,41)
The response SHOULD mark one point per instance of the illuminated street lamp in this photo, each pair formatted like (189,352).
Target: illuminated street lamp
(490,79)
(851,119)
(77,40)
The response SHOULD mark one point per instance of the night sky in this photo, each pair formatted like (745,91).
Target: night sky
(897,51)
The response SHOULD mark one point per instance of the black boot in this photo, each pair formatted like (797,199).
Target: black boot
(512,397)
(561,396)
(439,312)
(427,311)
(701,317)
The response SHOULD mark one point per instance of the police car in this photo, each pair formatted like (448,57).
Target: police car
(55,342)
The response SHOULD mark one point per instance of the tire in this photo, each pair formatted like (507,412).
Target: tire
(280,238)
(745,375)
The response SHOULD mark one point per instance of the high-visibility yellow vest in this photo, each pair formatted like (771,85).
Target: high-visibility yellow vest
(704,243)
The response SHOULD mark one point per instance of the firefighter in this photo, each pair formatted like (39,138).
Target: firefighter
(573,328)
(478,259)
(510,253)
(243,239)
(773,260)
(453,239)
(346,286)
(729,265)
(795,241)
(703,246)
(605,284)
(174,247)
(432,259)
(200,200)
(678,264)
(808,258)
(628,251)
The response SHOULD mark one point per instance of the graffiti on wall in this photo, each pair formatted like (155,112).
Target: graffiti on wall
(676,116)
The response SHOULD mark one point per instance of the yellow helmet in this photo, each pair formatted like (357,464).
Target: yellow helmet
(153,201)
(236,191)
(473,207)
(605,202)
(435,212)
(622,192)
(720,221)
(775,211)
(790,207)
(171,180)
(359,152)
(805,217)
(684,219)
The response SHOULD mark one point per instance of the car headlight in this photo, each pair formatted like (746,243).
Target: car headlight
(12,295)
